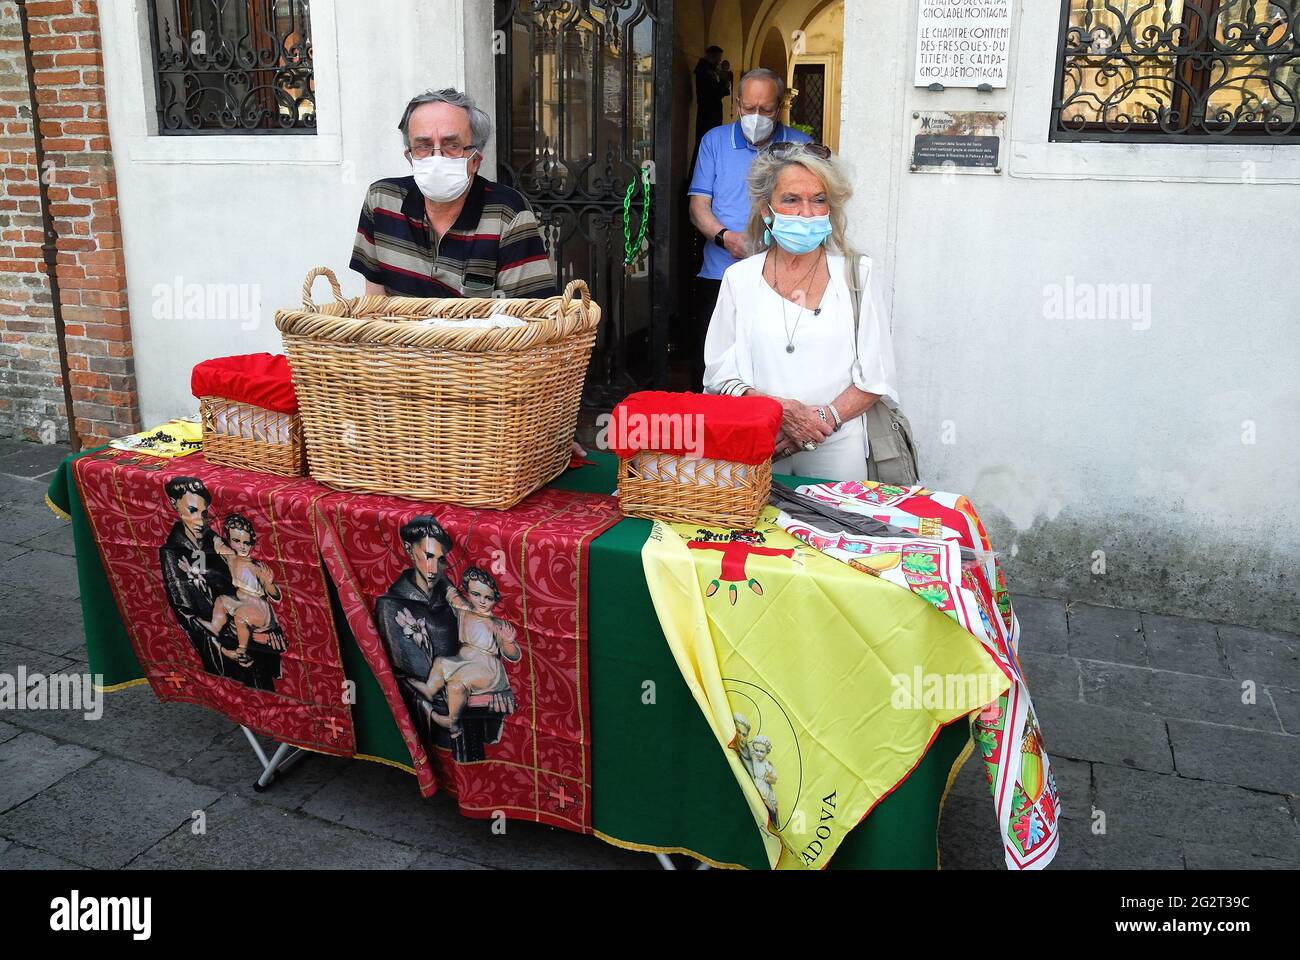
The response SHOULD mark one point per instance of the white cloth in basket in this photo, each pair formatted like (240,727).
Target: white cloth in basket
(495,321)
(691,470)
(272,428)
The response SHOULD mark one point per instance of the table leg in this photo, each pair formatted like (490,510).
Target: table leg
(284,757)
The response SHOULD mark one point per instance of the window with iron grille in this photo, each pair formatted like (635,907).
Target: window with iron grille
(233,66)
(1178,70)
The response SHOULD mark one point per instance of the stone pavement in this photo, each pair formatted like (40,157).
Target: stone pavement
(1180,737)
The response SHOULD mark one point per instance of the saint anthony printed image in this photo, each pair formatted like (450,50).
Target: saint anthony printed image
(754,755)
(221,595)
(447,648)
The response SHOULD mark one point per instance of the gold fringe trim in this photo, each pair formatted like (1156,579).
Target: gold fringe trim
(952,776)
(112,687)
(646,848)
(55,509)
(386,762)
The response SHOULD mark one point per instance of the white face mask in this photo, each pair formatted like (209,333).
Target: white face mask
(441,179)
(756,127)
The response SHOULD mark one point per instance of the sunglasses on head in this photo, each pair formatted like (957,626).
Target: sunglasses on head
(786,148)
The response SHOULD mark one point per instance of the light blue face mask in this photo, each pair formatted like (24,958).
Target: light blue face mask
(797,234)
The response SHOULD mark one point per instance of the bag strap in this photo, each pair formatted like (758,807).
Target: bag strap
(884,413)
(857,293)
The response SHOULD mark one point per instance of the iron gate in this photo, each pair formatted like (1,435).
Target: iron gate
(582,106)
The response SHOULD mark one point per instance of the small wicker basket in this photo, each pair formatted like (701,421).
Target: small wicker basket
(475,415)
(675,489)
(252,438)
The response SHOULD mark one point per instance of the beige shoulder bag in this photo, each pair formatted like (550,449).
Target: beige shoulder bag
(892,457)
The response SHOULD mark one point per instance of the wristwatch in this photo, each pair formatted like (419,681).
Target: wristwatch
(717,238)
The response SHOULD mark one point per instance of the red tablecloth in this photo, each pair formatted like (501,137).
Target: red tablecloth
(507,678)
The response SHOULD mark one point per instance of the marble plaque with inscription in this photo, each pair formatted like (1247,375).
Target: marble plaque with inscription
(963,43)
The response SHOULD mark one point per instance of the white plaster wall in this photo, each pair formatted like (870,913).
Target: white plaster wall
(259,211)
(1071,436)
(1076,435)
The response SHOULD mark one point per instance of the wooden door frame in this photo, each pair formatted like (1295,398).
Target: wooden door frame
(830,104)
(665,209)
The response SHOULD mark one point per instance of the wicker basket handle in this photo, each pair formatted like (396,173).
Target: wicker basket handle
(579,286)
(312,274)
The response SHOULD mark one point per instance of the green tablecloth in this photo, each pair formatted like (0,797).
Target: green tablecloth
(660,781)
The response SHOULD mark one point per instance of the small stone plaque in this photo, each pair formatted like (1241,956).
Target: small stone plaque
(967,142)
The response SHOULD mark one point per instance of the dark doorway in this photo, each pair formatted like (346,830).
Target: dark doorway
(803,41)
(809,108)
(581,107)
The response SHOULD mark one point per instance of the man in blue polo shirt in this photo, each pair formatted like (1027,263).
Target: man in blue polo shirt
(719,195)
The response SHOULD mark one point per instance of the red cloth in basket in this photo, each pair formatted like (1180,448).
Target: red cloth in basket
(261,379)
(740,429)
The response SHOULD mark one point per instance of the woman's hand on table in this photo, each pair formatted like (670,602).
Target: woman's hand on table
(801,423)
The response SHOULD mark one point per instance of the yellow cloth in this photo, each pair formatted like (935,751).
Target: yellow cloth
(175,438)
(806,670)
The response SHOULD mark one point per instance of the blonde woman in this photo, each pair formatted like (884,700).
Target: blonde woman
(785,324)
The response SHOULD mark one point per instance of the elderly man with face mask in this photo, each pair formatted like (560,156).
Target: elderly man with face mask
(720,204)
(445,231)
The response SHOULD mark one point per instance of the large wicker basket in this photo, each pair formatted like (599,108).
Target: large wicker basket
(477,416)
(675,489)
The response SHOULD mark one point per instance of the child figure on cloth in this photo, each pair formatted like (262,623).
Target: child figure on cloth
(764,774)
(484,641)
(253,582)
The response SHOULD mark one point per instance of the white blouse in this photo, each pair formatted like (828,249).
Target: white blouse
(752,325)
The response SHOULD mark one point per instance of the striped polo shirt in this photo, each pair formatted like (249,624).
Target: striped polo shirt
(494,245)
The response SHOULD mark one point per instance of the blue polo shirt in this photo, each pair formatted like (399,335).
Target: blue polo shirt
(721,170)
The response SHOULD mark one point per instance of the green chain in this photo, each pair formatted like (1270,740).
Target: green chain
(631,251)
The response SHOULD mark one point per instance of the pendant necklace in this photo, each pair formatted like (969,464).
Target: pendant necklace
(785,325)
(785,320)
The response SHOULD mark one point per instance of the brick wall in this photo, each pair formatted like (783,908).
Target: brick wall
(78,170)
